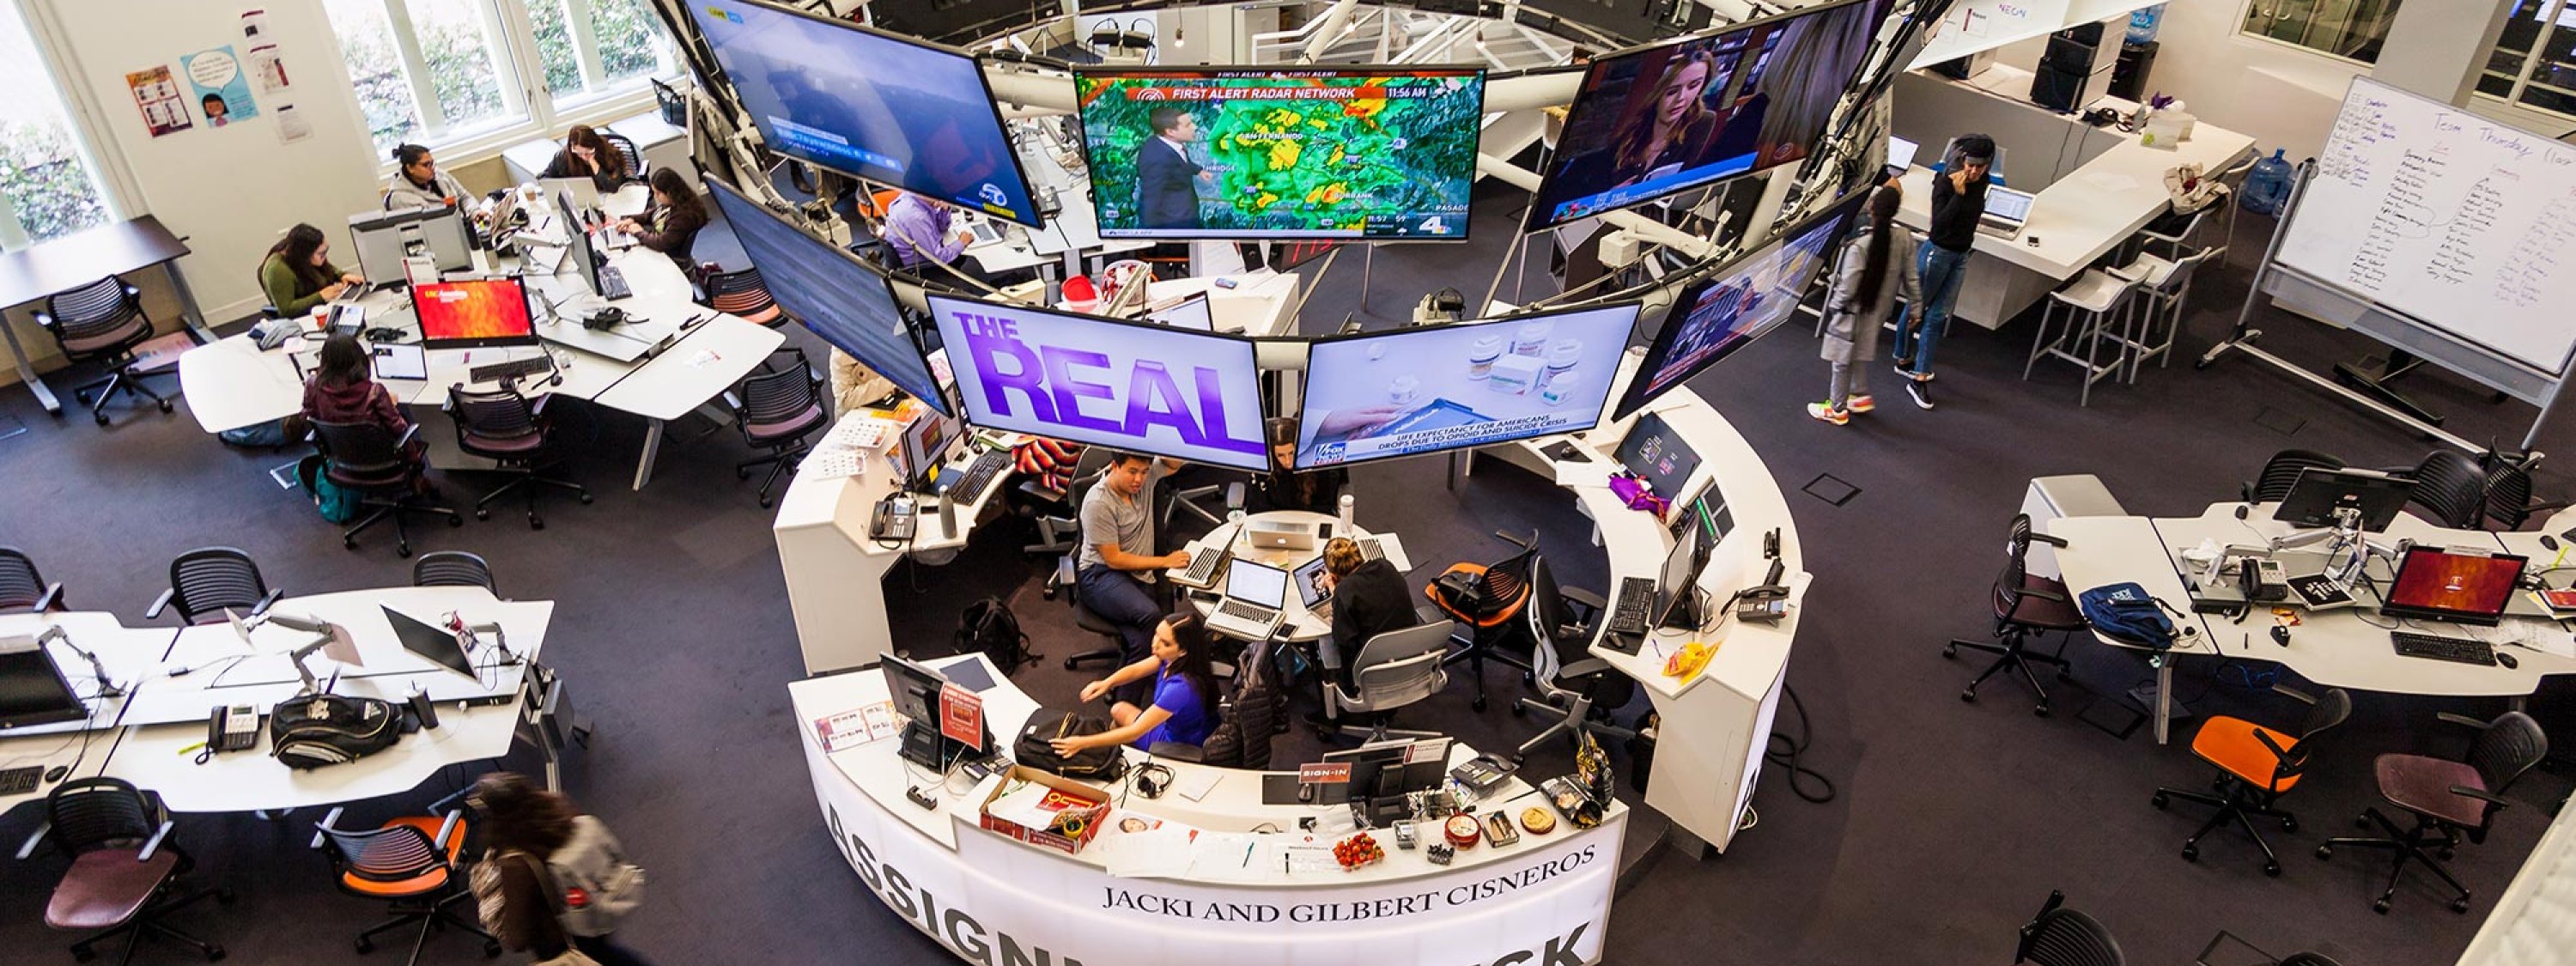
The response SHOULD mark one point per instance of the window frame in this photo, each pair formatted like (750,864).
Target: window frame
(520,66)
(2247,10)
(83,118)
(2549,13)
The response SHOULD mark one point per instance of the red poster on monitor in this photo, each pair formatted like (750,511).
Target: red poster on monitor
(961,716)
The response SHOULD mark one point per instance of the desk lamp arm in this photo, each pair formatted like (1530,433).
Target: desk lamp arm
(107,686)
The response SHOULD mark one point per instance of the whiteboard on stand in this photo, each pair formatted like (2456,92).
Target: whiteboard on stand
(2462,223)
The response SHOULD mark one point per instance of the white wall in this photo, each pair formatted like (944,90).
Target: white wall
(2279,95)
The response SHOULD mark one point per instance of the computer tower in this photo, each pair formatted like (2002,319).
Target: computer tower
(2129,73)
(2064,68)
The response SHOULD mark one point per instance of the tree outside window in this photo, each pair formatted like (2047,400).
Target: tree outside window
(45,176)
(428,71)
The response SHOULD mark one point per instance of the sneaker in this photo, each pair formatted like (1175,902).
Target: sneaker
(1922,393)
(1825,412)
(1859,403)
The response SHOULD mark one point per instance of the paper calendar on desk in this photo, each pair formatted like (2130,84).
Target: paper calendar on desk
(836,465)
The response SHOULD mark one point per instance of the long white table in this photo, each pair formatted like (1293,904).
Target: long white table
(232,383)
(81,747)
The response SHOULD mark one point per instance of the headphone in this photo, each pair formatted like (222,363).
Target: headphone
(1152,780)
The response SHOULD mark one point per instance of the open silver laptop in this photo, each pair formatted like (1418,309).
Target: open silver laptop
(1311,590)
(2006,211)
(1279,536)
(1206,562)
(1254,596)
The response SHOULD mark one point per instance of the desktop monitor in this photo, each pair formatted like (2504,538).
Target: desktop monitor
(1654,121)
(1256,583)
(1376,153)
(923,445)
(433,643)
(473,314)
(1388,769)
(1107,382)
(914,689)
(838,296)
(895,110)
(450,241)
(1739,302)
(33,690)
(1193,313)
(2317,493)
(2462,587)
(1677,582)
(1658,455)
(1427,390)
(580,252)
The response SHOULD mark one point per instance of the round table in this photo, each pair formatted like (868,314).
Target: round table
(1296,625)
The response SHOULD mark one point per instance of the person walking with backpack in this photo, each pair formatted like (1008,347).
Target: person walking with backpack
(563,882)
(1874,270)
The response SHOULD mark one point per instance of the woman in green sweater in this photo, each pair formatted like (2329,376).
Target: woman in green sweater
(297,276)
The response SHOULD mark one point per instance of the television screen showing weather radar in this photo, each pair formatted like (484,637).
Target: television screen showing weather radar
(1345,153)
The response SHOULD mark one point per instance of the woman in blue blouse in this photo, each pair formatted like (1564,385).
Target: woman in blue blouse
(1184,703)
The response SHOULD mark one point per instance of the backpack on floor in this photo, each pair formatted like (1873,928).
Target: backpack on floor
(988,627)
(337,505)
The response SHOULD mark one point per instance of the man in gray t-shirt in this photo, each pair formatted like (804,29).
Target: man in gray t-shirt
(1117,556)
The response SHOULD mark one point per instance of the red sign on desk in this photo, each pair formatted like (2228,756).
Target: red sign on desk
(1324,773)
(961,715)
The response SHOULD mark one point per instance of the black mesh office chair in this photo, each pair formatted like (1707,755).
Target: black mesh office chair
(125,874)
(626,151)
(102,322)
(206,581)
(2060,936)
(505,427)
(1484,599)
(2282,471)
(1573,694)
(2509,501)
(778,410)
(371,461)
(2024,604)
(2448,798)
(2450,486)
(1059,531)
(1113,650)
(2256,766)
(22,588)
(452,568)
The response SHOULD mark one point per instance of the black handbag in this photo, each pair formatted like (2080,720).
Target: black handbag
(328,729)
(1033,749)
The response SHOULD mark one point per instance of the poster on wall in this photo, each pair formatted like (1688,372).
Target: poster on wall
(291,125)
(157,96)
(268,68)
(222,89)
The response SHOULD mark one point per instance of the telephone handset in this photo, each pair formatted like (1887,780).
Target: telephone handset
(1767,601)
(893,519)
(1770,588)
(232,728)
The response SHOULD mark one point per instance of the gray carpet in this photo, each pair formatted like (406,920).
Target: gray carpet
(1952,824)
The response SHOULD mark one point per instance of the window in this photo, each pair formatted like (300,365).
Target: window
(441,71)
(2350,29)
(2534,60)
(48,188)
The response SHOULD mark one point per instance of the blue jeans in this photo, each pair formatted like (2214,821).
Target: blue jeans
(1122,600)
(1942,270)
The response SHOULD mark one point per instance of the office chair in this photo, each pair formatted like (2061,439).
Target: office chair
(125,869)
(626,151)
(2256,767)
(506,428)
(1572,696)
(410,864)
(2060,936)
(1188,498)
(452,568)
(1485,599)
(2281,472)
(673,105)
(2509,502)
(2024,604)
(369,460)
(206,581)
(1391,670)
(2447,798)
(778,410)
(102,322)
(1065,580)
(2450,485)
(22,588)
(1058,533)
(743,295)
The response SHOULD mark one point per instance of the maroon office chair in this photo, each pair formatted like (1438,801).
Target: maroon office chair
(125,874)
(2448,798)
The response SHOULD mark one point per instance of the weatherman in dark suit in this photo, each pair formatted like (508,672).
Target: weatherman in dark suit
(1166,196)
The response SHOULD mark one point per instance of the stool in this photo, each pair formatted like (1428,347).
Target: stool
(2096,294)
(2163,285)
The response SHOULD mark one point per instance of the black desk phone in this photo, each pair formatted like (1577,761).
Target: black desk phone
(232,728)
(893,519)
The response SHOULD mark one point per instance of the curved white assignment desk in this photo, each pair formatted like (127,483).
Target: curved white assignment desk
(992,899)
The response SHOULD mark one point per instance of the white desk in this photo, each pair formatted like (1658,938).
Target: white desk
(998,898)
(2076,221)
(163,757)
(1258,305)
(82,747)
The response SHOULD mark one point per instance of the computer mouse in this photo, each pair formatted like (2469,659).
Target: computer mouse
(2548,542)
(2240,511)
(57,772)
(2281,634)
(2509,661)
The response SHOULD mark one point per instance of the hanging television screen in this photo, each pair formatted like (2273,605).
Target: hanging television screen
(1376,153)
(1136,386)
(1687,113)
(868,104)
(839,297)
(1425,390)
(1740,302)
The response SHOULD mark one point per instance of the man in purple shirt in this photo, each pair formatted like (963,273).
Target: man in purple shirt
(920,230)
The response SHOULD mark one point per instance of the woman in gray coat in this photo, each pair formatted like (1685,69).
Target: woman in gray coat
(1874,269)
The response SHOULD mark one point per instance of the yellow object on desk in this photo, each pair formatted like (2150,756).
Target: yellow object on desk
(1687,661)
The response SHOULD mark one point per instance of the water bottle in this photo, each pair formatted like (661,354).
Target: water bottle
(2143,24)
(2267,187)
(1347,503)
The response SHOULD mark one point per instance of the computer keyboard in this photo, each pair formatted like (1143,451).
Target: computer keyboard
(1242,611)
(19,781)
(510,369)
(979,476)
(1636,602)
(2458,649)
(612,284)
(1203,565)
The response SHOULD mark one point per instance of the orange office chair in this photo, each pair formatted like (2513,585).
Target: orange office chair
(410,863)
(1484,599)
(2256,767)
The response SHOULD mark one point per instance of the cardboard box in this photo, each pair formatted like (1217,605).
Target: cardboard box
(1082,802)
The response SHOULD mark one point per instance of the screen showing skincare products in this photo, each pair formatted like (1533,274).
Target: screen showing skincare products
(1415,391)
(1135,386)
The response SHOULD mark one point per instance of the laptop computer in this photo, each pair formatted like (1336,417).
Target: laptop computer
(1205,562)
(2006,211)
(1266,535)
(1254,594)
(1311,590)
(585,193)
(1900,155)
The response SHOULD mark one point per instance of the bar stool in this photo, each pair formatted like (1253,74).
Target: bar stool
(2234,179)
(2162,286)
(2096,294)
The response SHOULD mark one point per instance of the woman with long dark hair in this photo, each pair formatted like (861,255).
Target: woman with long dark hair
(1185,697)
(1286,488)
(527,832)
(587,155)
(1677,126)
(344,390)
(297,273)
(671,225)
(1875,269)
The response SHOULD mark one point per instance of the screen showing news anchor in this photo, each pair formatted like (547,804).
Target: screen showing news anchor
(1134,386)
(890,109)
(466,315)
(1415,391)
(1741,302)
(1381,153)
(1696,110)
(836,295)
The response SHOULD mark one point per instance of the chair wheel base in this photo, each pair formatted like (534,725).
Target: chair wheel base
(2159,801)
(365,947)
(1518,711)
(585,498)
(100,417)
(491,950)
(402,551)
(1477,704)
(2460,905)
(2190,853)
(83,954)
(2041,711)
(2325,852)
(1949,651)
(482,514)
(455,521)
(1969,696)
(2289,823)
(2272,869)
(215,954)
(2379,906)
(165,405)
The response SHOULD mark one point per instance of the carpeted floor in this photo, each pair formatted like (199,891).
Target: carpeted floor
(1951,824)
